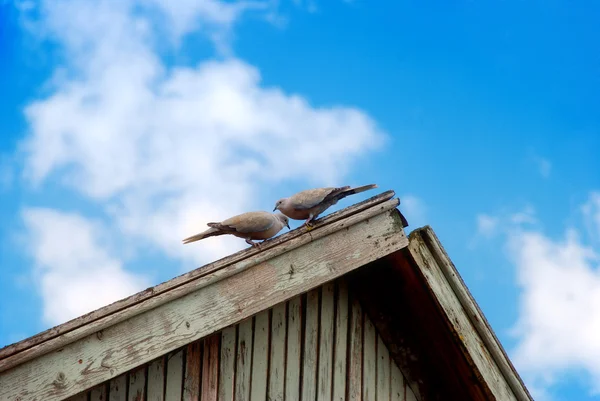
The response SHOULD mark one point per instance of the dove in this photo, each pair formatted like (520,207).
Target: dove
(250,226)
(309,204)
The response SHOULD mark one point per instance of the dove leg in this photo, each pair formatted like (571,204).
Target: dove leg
(249,241)
(308,222)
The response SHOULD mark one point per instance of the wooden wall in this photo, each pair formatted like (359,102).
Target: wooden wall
(318,346)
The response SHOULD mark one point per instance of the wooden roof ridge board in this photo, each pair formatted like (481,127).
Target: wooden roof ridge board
(426,235)
(175,282)
(118,342)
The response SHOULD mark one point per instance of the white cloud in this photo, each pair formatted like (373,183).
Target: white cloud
(163,149)
(74,271)
(544,166)
(559,304)
(591,214)
(487,225)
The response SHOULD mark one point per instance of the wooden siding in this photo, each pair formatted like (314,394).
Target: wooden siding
(317,346)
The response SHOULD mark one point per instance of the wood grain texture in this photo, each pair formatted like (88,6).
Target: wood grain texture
(355,369)
(185,319)
(294,347)
(383,371)
(311,350)
(326,342)
(369,360)
(227,365)
(137,385)
(277,353)
(193,372)
(156,380)
(174,384)
(341,342)
(244,360)
(427,236)
(43,342)
(398,387)
(210,368)
(260,357)
(99,393)
(78,397)
(118,388)
(474,347)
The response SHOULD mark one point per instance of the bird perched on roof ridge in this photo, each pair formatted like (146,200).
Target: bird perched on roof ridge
(250,226)
(309,204)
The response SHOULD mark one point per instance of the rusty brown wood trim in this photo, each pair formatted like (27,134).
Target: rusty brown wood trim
(474,313)
(203,278)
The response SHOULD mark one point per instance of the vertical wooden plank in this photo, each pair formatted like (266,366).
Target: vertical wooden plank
(397,382)
(410,396)
(327,321)
(341,342)
(156,380)
(193,371)
(277,361)
(227,365)
(294,348)
(174,376)
(383,371)
(137,384)
(210,368)
(260,357)
(369,360)
(243,360)
(118,388)
(99,393)
(356,341)
(311,340)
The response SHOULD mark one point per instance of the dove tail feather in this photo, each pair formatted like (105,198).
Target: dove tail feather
(356,190)
(211,232)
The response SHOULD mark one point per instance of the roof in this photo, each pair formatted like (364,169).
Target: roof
(410,289)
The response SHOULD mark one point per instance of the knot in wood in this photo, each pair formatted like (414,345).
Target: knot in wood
(61,381)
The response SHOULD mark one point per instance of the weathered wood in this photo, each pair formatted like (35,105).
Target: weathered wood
(174,376)
(137,385)
(193,372)
(260,357)
(277,361)
(227,365)
(473,347)
(126,303)
(118,388)
(325,371)
(190,317)
(369,360)
(356,348)
(99,393)
(244,360)
(341,342)
(383,371)
(78,397)
(311,346)
(294,346)
(156,380)
(398,388)
(210,368)
(472,311)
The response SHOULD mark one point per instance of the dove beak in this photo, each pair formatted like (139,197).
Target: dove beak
(288,226)
(275,208)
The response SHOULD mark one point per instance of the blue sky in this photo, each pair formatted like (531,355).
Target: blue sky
(126,126)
